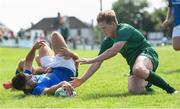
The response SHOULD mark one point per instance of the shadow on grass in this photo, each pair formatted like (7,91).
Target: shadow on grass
(20,96)
(114,95)
(171,71)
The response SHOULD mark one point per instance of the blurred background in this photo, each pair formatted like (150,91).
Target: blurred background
(22,22)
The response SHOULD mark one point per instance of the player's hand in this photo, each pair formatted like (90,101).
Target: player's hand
(39,44)
(66,53)
(68,88)
(76,82)
(85,61)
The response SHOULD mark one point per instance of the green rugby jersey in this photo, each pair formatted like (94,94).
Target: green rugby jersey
(135,42)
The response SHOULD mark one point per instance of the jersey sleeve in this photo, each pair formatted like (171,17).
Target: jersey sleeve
(106,44)
(38,90)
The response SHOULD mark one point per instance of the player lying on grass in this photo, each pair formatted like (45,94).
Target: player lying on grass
(61,61)
(139,54)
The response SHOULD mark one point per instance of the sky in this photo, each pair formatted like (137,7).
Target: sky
(17,14)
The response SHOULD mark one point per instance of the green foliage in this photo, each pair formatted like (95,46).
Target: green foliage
(129,11)
(107,88)
(135,14)
(157,17)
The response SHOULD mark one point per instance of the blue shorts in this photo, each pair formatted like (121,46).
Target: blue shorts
(63,73)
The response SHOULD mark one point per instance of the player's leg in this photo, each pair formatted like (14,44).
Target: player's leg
(58,42)
(142,66)
(45,51)
(176,43)
(143,69)
(136,85)
(176,38)
(46,56)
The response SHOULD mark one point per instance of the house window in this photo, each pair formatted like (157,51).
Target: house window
(79,32)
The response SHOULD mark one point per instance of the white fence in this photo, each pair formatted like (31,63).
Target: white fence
(20,43)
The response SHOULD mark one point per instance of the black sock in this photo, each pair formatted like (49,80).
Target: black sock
(158,81)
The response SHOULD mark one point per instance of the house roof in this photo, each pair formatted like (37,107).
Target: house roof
(47,24)
(76,23)
(50,24)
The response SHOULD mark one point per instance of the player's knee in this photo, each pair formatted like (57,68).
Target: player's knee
(176,47)
(176,44)
(138,71)
(55,35)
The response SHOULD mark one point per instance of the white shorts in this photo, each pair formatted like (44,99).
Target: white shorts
(176,31)
(58,61)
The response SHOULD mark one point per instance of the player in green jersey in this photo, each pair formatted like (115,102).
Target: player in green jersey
(131,44)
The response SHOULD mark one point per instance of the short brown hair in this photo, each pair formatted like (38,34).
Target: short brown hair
(19,81)
(108,16)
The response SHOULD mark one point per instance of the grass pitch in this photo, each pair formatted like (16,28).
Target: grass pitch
(107,88)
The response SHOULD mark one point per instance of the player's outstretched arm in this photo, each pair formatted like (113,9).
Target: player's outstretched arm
(76,82)
(106,55)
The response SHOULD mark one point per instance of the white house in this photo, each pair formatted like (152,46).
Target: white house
(79,32)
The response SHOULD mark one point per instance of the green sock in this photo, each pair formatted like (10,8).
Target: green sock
(158,81)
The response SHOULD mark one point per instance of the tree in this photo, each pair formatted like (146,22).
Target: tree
(134,13)
(130,11)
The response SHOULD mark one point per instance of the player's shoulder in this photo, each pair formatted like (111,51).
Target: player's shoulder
(125,27)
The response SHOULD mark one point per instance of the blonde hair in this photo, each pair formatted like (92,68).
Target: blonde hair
(108,16)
